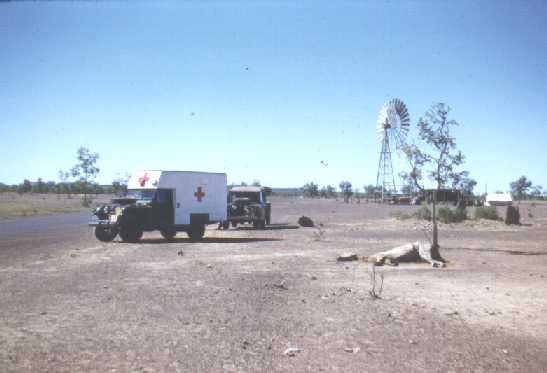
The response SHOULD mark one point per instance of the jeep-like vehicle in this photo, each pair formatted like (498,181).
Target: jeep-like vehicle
(248,204)
(168,201)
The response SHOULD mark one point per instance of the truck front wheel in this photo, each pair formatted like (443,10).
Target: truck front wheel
(130,234)
(104,234)
(196,232)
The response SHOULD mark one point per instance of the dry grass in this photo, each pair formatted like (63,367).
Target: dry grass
(15,205)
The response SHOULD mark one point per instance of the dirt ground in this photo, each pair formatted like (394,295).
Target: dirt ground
(238,300)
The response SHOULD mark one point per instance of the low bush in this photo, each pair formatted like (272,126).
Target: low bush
(423,213)
(448,215)
(486,212)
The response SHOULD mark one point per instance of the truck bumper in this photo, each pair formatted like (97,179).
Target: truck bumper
(102,223)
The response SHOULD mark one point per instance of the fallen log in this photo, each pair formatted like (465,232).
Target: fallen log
(411,252)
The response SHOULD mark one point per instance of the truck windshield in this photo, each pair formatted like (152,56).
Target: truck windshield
(141,194)
(253,197)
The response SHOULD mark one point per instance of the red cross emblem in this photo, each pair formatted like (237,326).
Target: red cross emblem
(199,194)
(144,179)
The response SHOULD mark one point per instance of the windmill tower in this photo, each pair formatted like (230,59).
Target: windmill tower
(392,127)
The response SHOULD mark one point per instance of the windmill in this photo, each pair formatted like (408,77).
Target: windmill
(393,123)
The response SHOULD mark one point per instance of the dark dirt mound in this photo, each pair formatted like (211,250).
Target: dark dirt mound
(512,215)
(305,221)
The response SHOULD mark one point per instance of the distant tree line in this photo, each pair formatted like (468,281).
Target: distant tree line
(74,187)
(255,183)
(521,189)
(345,190)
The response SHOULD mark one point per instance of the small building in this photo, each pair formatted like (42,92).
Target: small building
(498,199)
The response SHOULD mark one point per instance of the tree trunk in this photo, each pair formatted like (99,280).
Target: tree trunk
(411,252)
(434,220)
(435,245)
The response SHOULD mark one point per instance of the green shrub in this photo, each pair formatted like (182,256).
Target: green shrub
(448,215)
(423,213)
(486,212)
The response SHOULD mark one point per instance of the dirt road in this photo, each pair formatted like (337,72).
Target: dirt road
(22,239)
(238,300)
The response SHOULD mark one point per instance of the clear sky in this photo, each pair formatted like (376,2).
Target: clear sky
(268,90)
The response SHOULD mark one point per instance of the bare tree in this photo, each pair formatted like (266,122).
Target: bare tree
(311,190)
(438,157)
(85,171)
(346,189)
(520,187)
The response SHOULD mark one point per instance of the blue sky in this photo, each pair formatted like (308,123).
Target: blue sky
(268,90)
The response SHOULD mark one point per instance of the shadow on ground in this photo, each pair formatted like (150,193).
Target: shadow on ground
(267,228)
(510,252)
(227,240)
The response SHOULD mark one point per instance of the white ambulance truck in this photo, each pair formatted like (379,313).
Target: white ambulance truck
(168,201)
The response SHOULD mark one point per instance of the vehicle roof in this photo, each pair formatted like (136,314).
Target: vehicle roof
(183,171)
(246,189)
(499,197)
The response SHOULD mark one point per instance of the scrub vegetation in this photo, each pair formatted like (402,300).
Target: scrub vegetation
(16,205)
(486,212)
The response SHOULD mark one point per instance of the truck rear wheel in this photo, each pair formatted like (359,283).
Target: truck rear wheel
(195,233)
(169,233)
(130,234)
(104,234)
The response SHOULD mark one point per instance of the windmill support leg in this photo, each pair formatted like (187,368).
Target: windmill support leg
(385,179)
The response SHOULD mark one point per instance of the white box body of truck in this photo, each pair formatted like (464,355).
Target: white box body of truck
(197,195)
